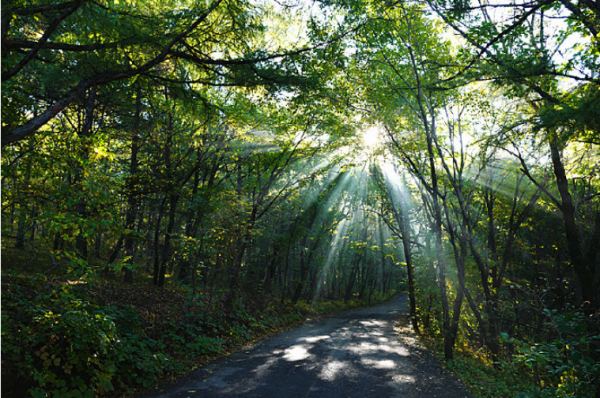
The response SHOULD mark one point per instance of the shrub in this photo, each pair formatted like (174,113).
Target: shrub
(74,354)
(563,366)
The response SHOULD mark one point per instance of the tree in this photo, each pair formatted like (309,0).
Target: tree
(521,54)
(404,62)
(56,53)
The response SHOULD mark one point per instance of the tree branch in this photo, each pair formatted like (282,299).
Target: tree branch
(38,46)
(15,44)
(37,122)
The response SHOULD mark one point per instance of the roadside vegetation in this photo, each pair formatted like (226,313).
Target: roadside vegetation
(564,365)
(91,337)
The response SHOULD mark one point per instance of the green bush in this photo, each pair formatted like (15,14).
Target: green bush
(563,366)
(74,354)
(56,344)
(141,360)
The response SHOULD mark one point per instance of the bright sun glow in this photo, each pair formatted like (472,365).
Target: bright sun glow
(371,137)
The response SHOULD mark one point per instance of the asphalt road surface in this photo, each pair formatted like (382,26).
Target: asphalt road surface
(354,353)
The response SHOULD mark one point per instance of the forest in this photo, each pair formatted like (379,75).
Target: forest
(181,177)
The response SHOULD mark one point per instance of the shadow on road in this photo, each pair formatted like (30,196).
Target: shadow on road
(351,354)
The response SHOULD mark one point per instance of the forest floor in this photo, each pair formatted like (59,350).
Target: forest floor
(63,333)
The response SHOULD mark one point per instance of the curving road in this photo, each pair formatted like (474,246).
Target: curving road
(351,354)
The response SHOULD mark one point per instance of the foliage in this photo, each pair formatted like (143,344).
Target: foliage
(58,341)
(485,381)
(66,346)
(564,366)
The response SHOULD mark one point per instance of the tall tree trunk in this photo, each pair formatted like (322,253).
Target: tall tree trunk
(131,214)
(352,279)
(84,135)
(21,229)
(304,262)
(439,250)
(166,255)
(403,221)
(185,267)
(157,251)
(460,254)
(584,267)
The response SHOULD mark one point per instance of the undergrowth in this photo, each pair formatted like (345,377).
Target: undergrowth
(65,339)
(560,367)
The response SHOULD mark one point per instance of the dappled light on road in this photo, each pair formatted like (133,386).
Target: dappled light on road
(316,339)
(332,369)
(349,351)
(297,353)
(353,354)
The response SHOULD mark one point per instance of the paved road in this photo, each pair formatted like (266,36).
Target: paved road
(351,354)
